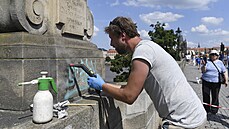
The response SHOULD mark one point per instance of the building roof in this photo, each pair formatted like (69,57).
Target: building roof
(112,51)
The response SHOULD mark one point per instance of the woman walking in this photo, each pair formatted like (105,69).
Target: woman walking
(211,83)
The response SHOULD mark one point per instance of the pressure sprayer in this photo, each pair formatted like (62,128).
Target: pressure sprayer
(43,99)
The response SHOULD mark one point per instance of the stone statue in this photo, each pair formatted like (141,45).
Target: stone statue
(47,17)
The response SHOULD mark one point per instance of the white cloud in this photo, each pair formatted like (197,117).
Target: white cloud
(181,4)
(207,44)
(185,33)
(201,29)
(115,3)
(212,43)
(192,44)
(219,32)
(144,34)
(96,30)
(204,30)
(212,20)
(167,26)
(152,18)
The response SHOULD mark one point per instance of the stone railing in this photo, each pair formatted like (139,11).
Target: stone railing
(116,114)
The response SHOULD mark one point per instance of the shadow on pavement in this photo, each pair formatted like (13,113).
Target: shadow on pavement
(195,82)
(219,118)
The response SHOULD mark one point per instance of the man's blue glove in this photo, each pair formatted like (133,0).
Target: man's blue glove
(95,82)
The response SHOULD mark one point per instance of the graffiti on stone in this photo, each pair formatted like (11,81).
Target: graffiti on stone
(81,77)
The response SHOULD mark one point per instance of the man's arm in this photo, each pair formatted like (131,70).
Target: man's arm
(130,92)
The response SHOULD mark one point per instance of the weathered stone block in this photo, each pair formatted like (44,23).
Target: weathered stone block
(10,73)
(47,17)
(79,117)
(23,60)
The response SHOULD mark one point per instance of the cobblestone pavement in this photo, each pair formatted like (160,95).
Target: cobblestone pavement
(221,119)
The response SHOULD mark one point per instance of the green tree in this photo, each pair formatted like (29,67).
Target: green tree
(107,59)
(167,39)
(121,64)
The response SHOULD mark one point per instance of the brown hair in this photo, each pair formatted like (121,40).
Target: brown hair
(120,25)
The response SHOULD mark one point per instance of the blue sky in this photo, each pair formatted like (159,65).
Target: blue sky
(202,21)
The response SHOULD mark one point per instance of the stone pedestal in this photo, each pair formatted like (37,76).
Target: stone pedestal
(47,17)
(23,56)
(45,35)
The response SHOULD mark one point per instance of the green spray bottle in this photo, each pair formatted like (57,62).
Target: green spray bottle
(43,99)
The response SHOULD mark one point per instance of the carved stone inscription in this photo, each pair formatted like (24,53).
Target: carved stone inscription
(72,13)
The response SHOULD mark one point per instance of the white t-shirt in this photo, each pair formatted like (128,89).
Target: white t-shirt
(173,97)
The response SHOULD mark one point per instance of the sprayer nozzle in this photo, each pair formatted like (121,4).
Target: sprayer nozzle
(89,72)
(26,83)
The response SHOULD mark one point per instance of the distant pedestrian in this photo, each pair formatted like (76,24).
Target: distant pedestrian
(198,60)
(210,81)
(221,56)
(194,60)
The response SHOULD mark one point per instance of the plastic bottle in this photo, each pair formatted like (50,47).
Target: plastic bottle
(43,100)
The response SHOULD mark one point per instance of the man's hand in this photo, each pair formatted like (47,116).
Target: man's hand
(95,82)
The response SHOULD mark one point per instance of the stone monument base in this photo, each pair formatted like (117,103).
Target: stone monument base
(23,56)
